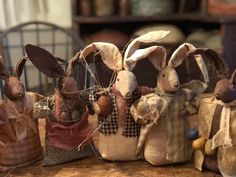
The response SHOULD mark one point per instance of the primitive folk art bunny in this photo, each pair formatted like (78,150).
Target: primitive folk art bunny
(215,149)
(162,115)
(118,132)
(20,144)
(65,111)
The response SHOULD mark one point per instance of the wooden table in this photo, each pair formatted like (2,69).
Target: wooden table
(95,166)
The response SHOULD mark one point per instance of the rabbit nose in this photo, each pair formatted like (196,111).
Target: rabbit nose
(128,94)
(20,95)
(217,96)
(176,85)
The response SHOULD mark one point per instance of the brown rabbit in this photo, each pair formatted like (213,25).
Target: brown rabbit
(17,126)
(225,89)
(215,149)
(65,111)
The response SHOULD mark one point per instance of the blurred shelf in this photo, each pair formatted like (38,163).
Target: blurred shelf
(157,18)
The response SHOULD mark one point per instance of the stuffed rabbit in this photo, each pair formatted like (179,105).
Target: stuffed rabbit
(20,144)
(65,111)
(215,149)
(118,132)
(163,135)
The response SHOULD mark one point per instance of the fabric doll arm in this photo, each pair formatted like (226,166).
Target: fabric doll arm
(143,90)
(193,89)
(44,108)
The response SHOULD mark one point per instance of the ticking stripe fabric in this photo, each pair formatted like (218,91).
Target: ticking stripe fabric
(20,153)
(27,148)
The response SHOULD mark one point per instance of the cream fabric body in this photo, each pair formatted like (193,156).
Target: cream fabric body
(117,147)
(226,155)
(167,143)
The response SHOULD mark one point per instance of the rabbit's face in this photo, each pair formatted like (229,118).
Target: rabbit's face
(14,89)
(168,80)
(125,83)
(225,90)
(69,89)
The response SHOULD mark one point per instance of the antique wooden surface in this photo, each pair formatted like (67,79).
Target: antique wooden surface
(98,167)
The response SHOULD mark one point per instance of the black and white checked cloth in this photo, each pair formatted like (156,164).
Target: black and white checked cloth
(110,126)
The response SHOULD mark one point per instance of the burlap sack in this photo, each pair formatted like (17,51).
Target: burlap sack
(225,138)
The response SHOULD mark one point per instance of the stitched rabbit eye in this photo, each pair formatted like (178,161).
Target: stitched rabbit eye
(163,75)
(118,79)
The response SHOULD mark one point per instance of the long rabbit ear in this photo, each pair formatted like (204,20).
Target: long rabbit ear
(219,62)
(147,38)
(155,54)
(72,64)
(3,71)
(110,54)
(233,77)
(180,54)
(18,69)
(44,61)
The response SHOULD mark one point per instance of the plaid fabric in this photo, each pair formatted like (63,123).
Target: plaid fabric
(179,148)
(110,126)
(20,153)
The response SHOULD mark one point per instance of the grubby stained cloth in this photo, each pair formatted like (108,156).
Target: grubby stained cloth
(27,147)
(224,140)
(62,140)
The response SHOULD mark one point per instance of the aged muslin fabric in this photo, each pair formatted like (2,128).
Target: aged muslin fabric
(27,147)
(225,138)
(62,140)
(165,141)
(109,125)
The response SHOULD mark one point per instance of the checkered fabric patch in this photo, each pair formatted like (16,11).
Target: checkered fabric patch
(54,155)
(110,126)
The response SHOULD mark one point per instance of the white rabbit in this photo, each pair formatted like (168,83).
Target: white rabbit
(118,132)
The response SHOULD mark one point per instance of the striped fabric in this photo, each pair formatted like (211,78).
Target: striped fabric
(178,147)
(27,147)
(20,153)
